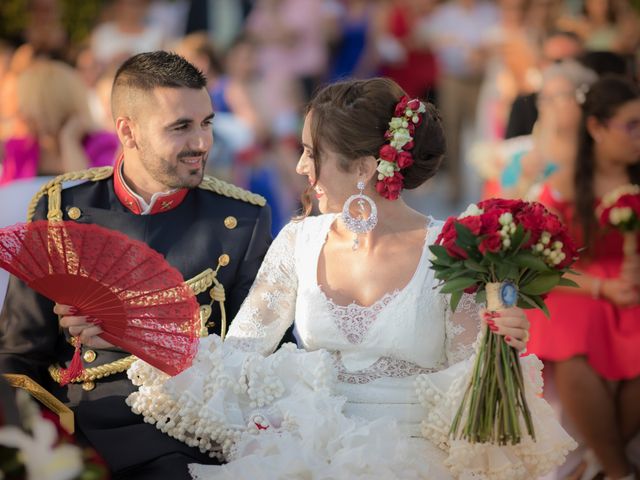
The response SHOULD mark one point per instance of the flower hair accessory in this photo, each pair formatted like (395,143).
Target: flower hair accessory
(395,155)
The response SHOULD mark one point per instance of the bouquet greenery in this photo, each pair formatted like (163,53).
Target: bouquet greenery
(507,252)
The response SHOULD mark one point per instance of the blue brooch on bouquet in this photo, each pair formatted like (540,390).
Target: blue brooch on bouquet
(508,294)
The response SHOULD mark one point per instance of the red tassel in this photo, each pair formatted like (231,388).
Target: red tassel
(75,367)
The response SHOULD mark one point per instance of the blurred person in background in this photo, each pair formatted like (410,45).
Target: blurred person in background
(125,33)
(291,42)
(405,56)
(458,33)
(557,46)
(55,133)
(593,336)
(351,36)
(605,25)
(555,136)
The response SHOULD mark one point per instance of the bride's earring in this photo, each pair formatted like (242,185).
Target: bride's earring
(359,224)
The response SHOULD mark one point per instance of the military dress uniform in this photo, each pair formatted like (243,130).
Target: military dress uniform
(216,235)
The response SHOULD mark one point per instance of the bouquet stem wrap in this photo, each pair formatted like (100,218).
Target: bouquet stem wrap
(494,408)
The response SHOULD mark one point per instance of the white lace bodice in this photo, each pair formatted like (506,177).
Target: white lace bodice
(405,333)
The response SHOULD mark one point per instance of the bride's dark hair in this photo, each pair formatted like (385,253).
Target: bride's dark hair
(350,119)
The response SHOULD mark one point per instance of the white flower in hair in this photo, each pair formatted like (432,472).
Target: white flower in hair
(386,169)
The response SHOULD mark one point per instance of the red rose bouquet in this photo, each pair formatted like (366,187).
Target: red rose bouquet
(507,252)
(620,209)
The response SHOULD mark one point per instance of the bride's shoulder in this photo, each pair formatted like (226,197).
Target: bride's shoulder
(311,224)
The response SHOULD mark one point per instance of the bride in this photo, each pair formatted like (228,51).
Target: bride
(383,361)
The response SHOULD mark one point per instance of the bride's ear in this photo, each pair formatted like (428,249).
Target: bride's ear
(366,168)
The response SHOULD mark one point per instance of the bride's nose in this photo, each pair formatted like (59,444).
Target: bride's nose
(302,167)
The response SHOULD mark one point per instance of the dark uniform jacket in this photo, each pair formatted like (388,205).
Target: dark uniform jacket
(195,230)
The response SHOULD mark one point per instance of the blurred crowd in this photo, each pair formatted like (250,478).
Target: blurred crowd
(511,79)
(482,62)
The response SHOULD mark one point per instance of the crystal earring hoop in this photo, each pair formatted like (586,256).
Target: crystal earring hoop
(359,225)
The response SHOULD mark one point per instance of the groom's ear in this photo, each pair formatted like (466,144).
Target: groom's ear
(366,168)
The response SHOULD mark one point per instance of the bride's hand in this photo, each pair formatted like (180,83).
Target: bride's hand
(81,327)
(512,323)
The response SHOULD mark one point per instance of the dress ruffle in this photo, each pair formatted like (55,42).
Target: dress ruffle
(441,393)
(277,417)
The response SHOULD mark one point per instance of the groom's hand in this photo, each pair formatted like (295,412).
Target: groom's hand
(86,329)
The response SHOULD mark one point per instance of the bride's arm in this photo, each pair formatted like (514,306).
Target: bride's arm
(269,309)
(461,328)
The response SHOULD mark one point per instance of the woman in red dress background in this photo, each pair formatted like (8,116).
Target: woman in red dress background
(593,336)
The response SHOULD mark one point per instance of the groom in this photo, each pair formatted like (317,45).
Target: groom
(156,193)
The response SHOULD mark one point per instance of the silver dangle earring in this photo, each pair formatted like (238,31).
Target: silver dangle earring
(359,224)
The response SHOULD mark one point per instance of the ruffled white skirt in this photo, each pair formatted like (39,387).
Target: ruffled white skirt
(278,417)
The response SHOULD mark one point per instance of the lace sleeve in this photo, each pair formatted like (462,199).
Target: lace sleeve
(461,328)
(269,308)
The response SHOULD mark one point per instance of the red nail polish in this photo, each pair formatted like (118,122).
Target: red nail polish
(507,339)
(95,321)
(72,311)
(496,315)
(490,322)
(493,328)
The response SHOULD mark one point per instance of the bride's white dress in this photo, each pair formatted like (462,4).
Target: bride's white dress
(370,394)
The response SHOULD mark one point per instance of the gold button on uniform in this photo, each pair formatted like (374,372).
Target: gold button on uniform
(88,385)
(223,260)
(74,213)
(230,222)
(89,356)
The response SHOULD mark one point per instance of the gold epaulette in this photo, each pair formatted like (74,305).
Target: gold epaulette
(229,190)
(53,189)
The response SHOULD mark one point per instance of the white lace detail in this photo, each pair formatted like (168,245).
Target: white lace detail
(462,328)
(355,320)
(269,309)
(383,367)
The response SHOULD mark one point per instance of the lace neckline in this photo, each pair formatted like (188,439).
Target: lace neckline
(388,297)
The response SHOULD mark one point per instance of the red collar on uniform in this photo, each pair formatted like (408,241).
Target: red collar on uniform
(160,202)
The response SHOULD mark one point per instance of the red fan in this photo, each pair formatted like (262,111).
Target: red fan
(143,303)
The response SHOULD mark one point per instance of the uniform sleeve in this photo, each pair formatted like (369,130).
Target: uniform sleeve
(269,309)
(29,332)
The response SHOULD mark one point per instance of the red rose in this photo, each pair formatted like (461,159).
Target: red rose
(401,106)
(388,153)
(490,222)
(409,145)
(405,159)
(414,104)
(552,224)
(503,204)
(447,239)
(473,223)
(472,289)
(491,243)
(390,187)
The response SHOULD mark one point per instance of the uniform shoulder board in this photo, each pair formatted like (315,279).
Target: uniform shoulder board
(229,190)
(53,189)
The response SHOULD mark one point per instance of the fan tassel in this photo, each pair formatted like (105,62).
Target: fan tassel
(75,368)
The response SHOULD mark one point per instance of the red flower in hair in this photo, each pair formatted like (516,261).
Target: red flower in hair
(401,106)
(388,153)
(405,159)
(390,187)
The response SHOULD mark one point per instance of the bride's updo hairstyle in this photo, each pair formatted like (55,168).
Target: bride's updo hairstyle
(350,119)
